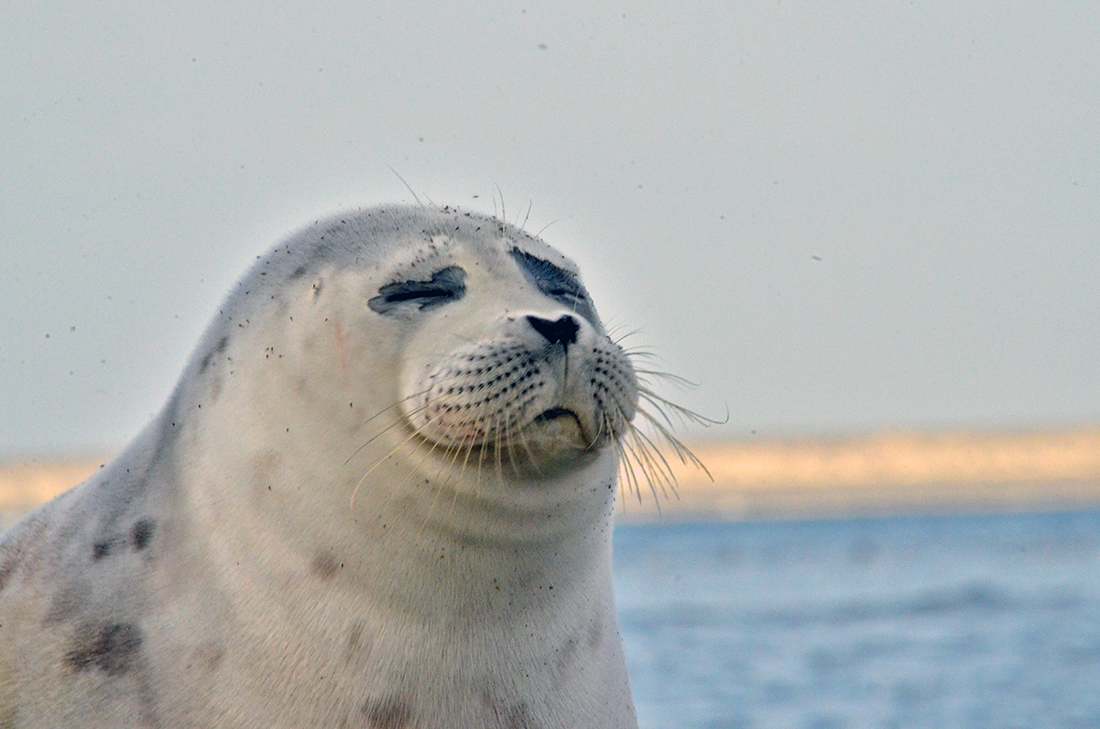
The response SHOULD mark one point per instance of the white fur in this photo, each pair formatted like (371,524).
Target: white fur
(220,572)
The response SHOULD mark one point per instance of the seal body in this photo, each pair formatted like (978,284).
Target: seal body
(380,496)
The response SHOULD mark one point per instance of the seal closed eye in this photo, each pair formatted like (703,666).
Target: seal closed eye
(555,282)
(444,286)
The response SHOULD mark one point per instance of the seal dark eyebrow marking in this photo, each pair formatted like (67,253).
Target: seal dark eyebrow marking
(445,286)
(555,282)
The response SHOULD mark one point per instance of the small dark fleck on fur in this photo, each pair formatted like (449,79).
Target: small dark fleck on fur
(106,547)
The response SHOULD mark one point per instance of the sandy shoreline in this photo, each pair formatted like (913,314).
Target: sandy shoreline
(893,472)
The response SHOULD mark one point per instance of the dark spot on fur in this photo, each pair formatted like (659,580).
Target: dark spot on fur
(142,533)
(19,542)
(218,349)
(566,654)
(106,547)
(208,656)
(387,713)
(298,273)
(519,717)
(595,634)
(7,569)
(10,558)
(113,649)
(325,565)
(516,716)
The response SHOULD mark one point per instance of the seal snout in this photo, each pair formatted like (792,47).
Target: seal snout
(563,331)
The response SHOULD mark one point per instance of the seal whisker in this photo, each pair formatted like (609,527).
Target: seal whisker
(619,338)
(377,463)
(682,451)
(626,471)
(412,436)
(463,451)
(530,204)
(637,451)
(655,466)
(676,379)
(385,429)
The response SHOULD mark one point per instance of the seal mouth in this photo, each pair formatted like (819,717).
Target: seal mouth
(555,440)
(563,424)
(553,414)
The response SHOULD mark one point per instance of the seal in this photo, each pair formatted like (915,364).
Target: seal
(379,496)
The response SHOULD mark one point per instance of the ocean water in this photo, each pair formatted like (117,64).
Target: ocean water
(979,621)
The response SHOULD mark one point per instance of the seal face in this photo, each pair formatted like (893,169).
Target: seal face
(380,496)
(522,388)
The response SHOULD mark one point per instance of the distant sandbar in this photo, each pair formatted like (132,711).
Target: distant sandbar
(890,472)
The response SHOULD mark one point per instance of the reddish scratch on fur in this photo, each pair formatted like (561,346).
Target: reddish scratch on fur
(340,346)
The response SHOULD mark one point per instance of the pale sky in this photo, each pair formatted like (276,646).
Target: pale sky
(833,217)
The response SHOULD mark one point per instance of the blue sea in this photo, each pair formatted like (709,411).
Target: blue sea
(933,621)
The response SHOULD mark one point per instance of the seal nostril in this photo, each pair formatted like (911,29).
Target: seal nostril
(563,331)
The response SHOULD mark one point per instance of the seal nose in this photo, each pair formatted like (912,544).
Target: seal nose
(563,331)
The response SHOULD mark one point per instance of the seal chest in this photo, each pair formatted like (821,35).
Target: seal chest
(379,496)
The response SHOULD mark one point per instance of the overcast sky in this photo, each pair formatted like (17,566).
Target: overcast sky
(834,217)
